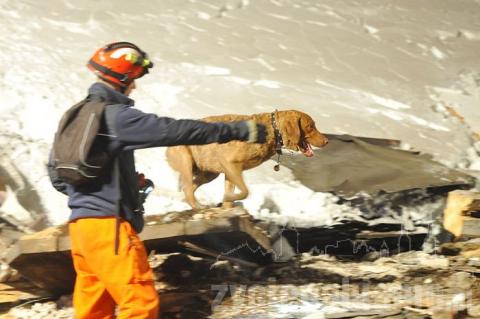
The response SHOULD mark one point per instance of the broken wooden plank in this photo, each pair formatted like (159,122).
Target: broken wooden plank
(47,240)
(363,313)
(387,234)
(217,255)
(459,204)
(44,257)
(14,294)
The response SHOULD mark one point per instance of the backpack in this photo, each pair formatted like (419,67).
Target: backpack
(79,147)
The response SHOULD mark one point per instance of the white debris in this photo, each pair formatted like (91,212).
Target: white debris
(437,53)
(370,29)
(318,58)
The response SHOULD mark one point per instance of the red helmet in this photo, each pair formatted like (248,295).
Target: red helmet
(120,63)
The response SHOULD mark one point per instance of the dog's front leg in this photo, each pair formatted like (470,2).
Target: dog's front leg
(233,173)
(229,189)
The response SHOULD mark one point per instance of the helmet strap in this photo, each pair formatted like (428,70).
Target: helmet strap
(121,77)
(115,86)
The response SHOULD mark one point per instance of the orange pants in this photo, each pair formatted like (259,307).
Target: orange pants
(104,279)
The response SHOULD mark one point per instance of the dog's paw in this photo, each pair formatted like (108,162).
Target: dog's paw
(226,205)
(200,207)
(197,206)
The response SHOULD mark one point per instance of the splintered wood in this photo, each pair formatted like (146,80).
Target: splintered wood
(229,234)
(459,213)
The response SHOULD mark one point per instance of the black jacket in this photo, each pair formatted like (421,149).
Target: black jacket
(129,129)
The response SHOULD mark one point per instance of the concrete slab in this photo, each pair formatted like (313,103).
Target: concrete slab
(349,165)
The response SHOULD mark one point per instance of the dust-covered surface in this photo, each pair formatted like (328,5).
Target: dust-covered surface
(406,285)
(192,215)
(349,166)
(379,275)
(404,70)
(380,69)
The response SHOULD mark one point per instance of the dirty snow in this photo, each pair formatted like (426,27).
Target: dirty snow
(372,69)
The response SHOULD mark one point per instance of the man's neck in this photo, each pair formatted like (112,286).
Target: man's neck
(110,85)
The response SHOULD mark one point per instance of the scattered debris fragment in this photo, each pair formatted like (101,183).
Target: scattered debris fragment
(196,283)
(44,257)
(461,216)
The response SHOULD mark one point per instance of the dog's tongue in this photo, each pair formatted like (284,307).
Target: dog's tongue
(308,151)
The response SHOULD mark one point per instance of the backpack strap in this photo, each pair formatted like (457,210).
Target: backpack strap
(116,172)
(110,120)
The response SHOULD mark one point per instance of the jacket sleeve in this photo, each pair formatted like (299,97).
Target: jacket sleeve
(136,129)
(56,181)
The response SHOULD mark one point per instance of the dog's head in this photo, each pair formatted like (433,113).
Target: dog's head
(299,132)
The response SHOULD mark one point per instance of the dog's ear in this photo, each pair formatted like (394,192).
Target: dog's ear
(290,127)
(310,132)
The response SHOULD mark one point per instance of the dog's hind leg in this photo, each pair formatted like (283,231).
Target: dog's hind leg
(180,159)
(233,173)
(201,177)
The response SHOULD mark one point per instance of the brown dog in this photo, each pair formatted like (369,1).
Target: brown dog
(201,164)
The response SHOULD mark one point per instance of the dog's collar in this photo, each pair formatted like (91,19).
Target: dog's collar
(276,132)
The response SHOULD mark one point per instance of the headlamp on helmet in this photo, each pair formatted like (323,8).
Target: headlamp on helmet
(120,63)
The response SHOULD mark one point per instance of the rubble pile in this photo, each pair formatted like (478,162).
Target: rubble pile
(40,310)
(412,284)
(408,285)
(9,234)
(220,264)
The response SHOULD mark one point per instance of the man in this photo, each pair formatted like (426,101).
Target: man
(105,278)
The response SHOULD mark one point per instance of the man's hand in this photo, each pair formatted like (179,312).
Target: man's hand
(248,131)
(145,187)
(257,132)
